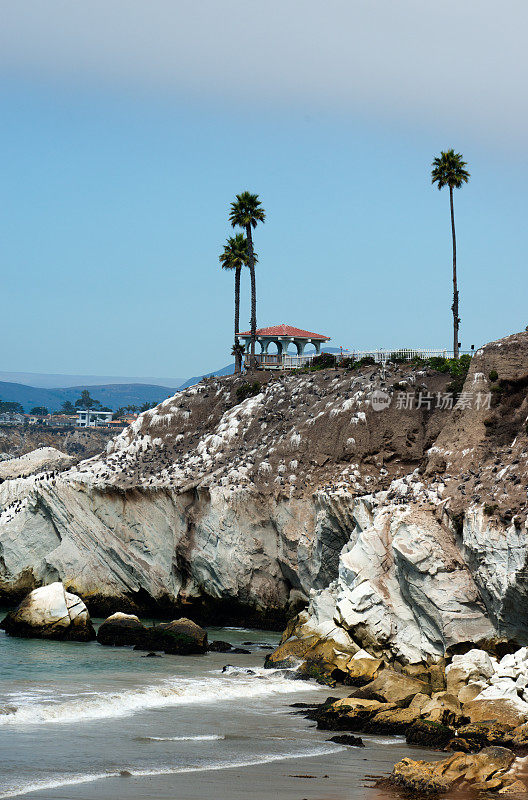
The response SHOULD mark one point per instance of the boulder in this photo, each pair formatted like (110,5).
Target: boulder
(120,630)
(391,721)
(419,701)
(348,714)
(429,734)
(475,665)
(520,737)
(498,710)
(443,708)
(393,687)
(348,739)
(179,637)
(489,770)
(218,646)
(290,653)
(433,674)
(484,734)
(50,612)
(469,691)
(359,671)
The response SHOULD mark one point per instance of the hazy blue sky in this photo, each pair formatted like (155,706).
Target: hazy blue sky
(129,126)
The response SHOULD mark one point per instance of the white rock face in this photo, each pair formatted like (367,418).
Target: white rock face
(403,588)
(485,678)
(498,559)
(42,459)
(475,665)
(210,542)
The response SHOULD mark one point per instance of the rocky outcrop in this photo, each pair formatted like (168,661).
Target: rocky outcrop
(43,459)
(405,529)
(491,770)
(50,613)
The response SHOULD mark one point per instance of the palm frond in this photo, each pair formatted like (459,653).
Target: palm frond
(246,210)
(234,255)
(449,169)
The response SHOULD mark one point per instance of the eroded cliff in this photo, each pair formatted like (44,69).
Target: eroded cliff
(414,515)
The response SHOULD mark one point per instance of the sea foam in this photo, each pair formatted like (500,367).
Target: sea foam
(172,692)
(75,780)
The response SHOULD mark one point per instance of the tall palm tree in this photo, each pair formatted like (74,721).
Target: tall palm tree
(449,169)
(246,212)
(235,256)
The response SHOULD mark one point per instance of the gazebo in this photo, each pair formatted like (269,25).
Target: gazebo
(282,335)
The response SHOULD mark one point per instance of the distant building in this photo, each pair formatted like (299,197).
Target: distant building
(93,419)
(11,418)
(61,421)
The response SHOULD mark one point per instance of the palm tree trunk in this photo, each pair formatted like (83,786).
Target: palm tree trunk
(456,319)
(251,258)
(238,360)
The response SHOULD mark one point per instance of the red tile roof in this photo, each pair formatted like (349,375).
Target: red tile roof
(287,330)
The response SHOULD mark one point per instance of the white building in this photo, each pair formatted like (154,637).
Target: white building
(93,419)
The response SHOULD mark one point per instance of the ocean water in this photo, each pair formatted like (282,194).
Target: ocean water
(81,721)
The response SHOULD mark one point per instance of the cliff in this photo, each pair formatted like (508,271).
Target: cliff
(403,526)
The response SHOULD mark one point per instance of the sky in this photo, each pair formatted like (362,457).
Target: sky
(128,128)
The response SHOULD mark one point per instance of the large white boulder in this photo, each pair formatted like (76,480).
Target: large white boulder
(50,612)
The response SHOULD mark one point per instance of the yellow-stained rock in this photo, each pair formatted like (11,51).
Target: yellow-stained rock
(489,770)
(362,670)
(443,708)
(494,711)
(470,692)
(290,652)
(392,721)
(351,703)
(393,687)
(418,701)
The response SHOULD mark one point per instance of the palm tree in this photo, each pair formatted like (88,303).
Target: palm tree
(449,169)
(235,256)
(246,212)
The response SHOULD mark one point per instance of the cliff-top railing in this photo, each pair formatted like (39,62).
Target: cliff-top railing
(280,361)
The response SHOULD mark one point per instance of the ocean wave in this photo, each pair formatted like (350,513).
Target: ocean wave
(171,692)
(384,739)
(75,780)
(206,737)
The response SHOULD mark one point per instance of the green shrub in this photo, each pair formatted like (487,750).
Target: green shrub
(493,376)
(490,509)
(247,390)
(323,361)
(496,388)
(399,357)
(438,363)
(366,361)
(458,369)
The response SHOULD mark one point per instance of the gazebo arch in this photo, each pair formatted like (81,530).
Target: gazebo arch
(282,336)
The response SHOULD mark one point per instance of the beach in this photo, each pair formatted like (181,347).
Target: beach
(84,721)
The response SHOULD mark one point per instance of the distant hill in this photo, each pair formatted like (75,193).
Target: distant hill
(229,370)
(45,380)
(112,395)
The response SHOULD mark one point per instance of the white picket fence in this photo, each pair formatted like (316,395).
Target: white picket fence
(275,361)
